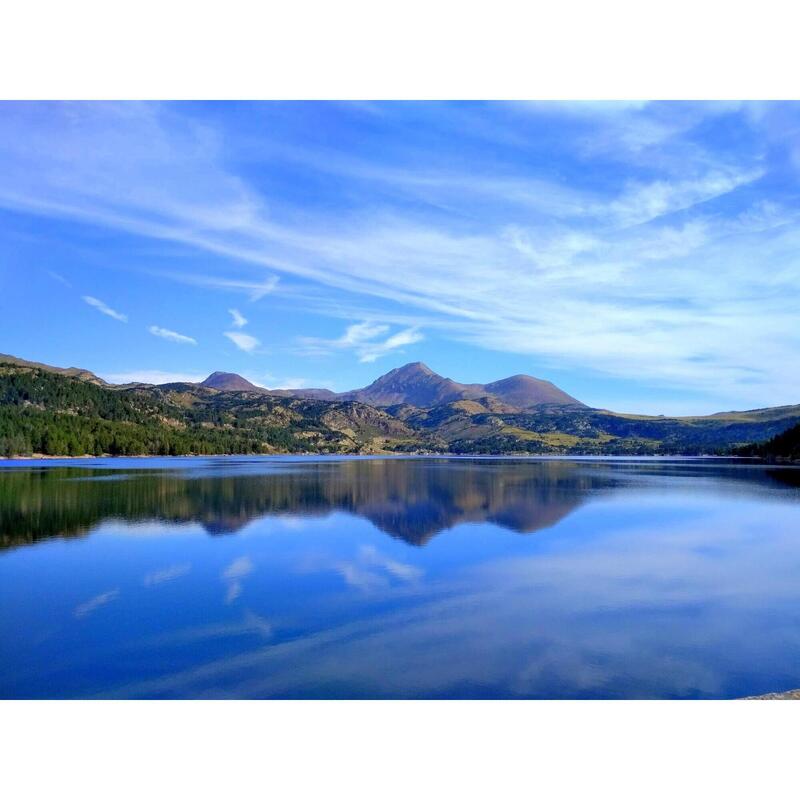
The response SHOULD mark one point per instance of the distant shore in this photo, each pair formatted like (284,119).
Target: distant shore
(794,694)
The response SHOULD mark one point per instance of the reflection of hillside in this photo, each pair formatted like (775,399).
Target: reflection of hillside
(409,499)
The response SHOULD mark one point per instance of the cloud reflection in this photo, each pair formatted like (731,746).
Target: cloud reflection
(704,606)
(96,602)
(166,574)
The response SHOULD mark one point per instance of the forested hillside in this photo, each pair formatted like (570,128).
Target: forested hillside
(783,447)
(45,413)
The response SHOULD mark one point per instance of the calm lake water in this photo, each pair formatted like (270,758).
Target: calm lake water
(404,577)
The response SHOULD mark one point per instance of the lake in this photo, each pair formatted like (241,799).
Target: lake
(304,577)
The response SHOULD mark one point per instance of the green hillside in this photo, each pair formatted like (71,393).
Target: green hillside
(51,414)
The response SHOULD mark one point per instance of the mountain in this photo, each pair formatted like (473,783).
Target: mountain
(523,391)
(411,409)
(229,382)
(418,385)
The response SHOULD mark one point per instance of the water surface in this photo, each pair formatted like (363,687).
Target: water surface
(398,577)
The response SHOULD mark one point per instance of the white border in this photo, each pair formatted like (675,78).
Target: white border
(416,49)
(358,50)
(616,749)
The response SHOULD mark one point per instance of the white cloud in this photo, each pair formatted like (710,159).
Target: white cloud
(171,336)
(154,376)
(239,320)
(244,341)
(360,332)
(104,309)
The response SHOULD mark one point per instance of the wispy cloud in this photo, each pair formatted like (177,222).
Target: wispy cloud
(244,341)
(239,320)
(57,276)
(172,336)
(374,350)
(643,202)
(365,339)
(254,289)
(104,309)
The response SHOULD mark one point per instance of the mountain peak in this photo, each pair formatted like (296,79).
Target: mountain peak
(413,367)
(228,382)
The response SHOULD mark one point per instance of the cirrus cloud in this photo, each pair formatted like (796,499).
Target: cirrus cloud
(104,309)
(171,336)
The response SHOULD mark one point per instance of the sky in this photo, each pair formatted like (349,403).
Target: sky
(645,257)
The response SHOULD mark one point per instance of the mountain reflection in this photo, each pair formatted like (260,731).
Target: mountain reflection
(411,500)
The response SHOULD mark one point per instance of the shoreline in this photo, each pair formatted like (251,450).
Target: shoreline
(792,694)
(660,456)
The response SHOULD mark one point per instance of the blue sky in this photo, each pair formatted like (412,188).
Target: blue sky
(643,256)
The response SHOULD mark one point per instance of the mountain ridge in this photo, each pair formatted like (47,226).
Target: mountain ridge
(56,411)
(416,384)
